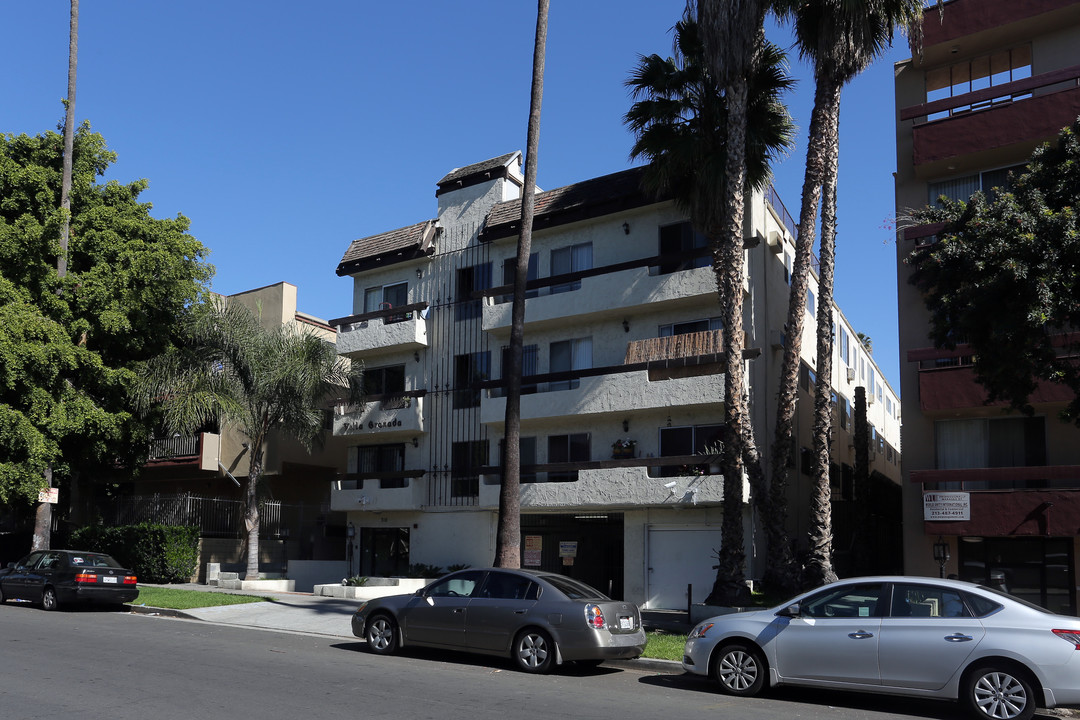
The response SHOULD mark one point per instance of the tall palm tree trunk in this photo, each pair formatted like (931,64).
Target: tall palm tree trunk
(251,514)
(819,561)
(508,536)
(781,574)
(43,514)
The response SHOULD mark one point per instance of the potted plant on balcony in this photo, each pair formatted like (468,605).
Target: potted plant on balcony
(623,448)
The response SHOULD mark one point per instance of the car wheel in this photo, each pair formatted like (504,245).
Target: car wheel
(993,692)
(48,599)
(534,651)
(382,635)
(740,670)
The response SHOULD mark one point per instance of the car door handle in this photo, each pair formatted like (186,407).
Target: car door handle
(860,635)
(520,612)
(958,637)
(459,610)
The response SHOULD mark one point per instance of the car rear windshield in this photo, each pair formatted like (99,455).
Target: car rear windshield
(574,589)
(93,560)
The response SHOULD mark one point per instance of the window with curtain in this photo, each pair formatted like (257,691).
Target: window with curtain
(678,240)
(567,355)
(572,259)
(566,449)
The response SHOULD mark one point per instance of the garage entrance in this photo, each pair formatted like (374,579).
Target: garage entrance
(584,546)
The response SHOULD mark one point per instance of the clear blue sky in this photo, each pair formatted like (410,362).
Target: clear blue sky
(284,130)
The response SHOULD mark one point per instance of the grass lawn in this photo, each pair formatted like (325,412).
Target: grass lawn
(664,646)
(187,599)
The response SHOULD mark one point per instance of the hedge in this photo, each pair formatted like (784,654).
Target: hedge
(157,553)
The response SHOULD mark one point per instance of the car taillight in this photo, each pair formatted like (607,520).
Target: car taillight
(1072,636)
(130,579)
(594,617)
(86,577)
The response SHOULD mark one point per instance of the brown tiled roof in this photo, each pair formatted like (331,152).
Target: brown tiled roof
(477,173)
(587,199)
(385,247)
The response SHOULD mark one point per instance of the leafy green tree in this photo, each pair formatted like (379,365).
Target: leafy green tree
(70,346)
(841,38)
(1002,278)
(680,120)
(230,370)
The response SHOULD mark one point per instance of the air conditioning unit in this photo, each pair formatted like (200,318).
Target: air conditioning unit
(776,242)
(851,374)
(872,456)
(869,397)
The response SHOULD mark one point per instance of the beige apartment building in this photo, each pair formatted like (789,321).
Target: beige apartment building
(989,494)
(623,388)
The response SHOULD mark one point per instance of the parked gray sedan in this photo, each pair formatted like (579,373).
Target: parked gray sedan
(1000,656)
(539,619)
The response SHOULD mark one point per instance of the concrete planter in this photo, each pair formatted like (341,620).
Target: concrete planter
(373,588)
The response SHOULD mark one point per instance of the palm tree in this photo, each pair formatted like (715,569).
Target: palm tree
(508,536)
(43,513)
(681,120)
(234,372)
(841,38)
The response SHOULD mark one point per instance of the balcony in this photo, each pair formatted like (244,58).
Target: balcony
(995,125)
(387,330)
(962,19)
(377,492)
(687,382)
(390,417)
(947,382)
(198,451)
(1037,501)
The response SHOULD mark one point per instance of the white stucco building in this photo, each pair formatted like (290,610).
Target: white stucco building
(622,343)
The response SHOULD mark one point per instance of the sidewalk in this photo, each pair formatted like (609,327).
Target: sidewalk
(316,615)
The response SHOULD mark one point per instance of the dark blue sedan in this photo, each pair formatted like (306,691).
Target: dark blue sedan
(60,577)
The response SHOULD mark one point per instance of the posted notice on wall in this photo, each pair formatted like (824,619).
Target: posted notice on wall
(534,549)
(49,495)
(946,506)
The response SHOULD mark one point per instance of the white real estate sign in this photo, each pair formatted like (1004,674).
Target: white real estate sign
(946,506)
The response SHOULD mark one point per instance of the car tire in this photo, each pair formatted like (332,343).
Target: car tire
(382,635)
(48,599)
(998,692)
(740,669)
(534,651)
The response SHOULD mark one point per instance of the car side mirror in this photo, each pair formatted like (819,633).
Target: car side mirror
(791,611)
(11,566)
(430,600)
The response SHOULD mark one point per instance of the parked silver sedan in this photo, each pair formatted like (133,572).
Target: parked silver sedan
(539,619)
(1000,656)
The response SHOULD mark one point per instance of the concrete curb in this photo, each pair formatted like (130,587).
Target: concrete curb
(164,612)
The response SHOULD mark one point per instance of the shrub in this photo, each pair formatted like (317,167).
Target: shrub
(157,553)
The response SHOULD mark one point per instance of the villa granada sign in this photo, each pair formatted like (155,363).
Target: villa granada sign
(355,426)
(946,506)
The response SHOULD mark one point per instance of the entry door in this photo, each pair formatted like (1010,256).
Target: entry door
(680,556)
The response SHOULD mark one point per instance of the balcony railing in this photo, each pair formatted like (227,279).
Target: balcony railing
(175,447)
(1002,478)
(707,342)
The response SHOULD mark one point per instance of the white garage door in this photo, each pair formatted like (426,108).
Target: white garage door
(680,556)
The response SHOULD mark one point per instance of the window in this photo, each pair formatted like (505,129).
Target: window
(689,440)
(810,300)
(388,380)
(468,370)
(849,601)
(529,355)
(527,447)
(470,280)
(382,459)
(691,326)
(461,585)
(807,377)
(978,73)
(566,356)
(384,297)
(504,586)
(678,240)
(845,414)
(510,270)
(567,449)
(962,188)
(990,443)
(570,260)
(844,347)
(787,267)
(465,460)
(916,600)
(806,461)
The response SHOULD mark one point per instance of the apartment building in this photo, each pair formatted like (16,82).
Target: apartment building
(623,386)
(990,495)
(196,479)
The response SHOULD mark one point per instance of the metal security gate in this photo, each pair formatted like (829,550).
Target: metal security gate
(584,546)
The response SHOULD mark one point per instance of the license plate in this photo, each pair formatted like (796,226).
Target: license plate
(108,579)
(626,622)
